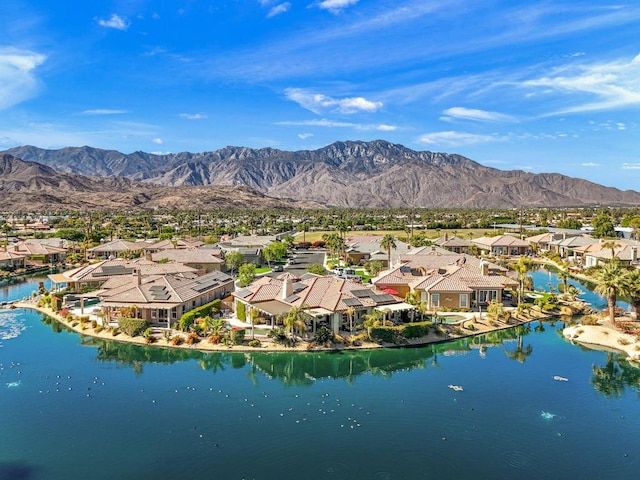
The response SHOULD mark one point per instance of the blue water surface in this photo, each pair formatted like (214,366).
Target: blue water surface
(75,407)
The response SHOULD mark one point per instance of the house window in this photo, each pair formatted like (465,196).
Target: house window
(464,300)
(486,296)
(435,299)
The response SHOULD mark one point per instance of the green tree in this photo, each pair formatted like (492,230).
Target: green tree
(233,260)
(295,321)
(246,274)
(317,269)
(274,251)
(611,281)
(603,226)
(72,234)
(388,242)
(374,267)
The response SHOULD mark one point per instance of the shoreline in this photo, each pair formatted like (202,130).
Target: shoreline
(269,346)
(604,336)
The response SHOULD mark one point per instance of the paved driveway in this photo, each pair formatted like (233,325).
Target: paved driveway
(303,259)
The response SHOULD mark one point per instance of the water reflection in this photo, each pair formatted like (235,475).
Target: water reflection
(300,369)
(617,374)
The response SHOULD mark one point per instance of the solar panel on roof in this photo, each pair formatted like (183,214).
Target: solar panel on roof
(384,298)
(162,296)
(362,293)
(243,293)
(205,285)
(352,302)
(291,298)
(298,286)
(115,270)
(405,269)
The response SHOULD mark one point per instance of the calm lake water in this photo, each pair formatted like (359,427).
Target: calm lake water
(79,408)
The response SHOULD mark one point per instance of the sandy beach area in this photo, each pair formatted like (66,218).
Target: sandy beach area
(604,335)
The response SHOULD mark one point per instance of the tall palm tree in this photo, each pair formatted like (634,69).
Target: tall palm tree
(294,320)
(254,313)
(521,268)
(633,289)
(564,276)
(611,281)
(611,244)
(388,242)
(351,312)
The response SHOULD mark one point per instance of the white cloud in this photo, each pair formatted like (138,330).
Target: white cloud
(194,116)
(336,6)
(631,166)
(332,124)
(316,102)
(103,111)
(17,80)
(115,21)
(607,86)
(474,114)
(304,136)
(157,141)
(278,9)
(452,138)
(590,164)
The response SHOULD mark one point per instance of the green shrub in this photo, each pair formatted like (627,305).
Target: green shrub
(383,334)
(177,340)
(237,335)
(132,326)
(255,343)
(188,318)
(241,311)
(416,330)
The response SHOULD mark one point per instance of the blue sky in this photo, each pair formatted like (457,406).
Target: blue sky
(542,86)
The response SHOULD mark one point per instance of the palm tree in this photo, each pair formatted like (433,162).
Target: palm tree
(351,312)
(612,244)
(633,289)
(611,281)
(254,313)
(388,242)
(521,268)
(294,320)
(564,276)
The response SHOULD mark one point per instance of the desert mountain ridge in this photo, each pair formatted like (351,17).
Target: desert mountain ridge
(30,186)
(344,174)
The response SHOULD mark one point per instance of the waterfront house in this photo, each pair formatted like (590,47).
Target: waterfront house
(96,274)
(442,281)
(40,254)
(162,299)
(10,260)
(327,300)
(566,246)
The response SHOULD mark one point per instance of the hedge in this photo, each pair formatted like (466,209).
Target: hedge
(383,334)
(241,311)
(416,330)
(132,326)
(188,318)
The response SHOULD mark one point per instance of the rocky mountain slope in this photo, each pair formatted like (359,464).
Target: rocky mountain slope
(30,186)
(346,174)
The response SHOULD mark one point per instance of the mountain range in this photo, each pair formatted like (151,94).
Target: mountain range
(343,174)
(31,186)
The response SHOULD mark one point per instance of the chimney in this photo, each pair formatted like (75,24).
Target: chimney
(634,254)
(287,288)
(484,267)
(564,235)
(137,275)
(446,236)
